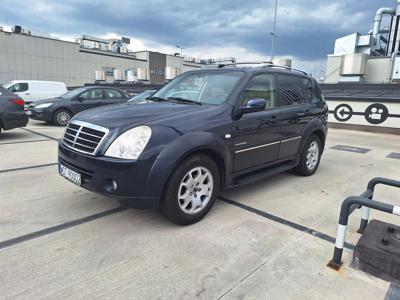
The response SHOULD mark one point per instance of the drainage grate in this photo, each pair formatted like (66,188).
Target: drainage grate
(351,149)
(394,155)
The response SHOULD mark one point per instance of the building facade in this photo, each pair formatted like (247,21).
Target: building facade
(89,60)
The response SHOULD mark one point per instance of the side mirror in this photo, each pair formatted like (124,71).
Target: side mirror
(78,98)
(253,105)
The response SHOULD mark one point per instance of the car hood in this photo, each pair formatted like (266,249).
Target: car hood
(128,115)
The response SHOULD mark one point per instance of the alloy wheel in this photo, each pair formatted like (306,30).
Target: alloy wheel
(312,155)
(195,190)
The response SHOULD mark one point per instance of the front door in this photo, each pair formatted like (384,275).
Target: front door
(88,99)
(256,136)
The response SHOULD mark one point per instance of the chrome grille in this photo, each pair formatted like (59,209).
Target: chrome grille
(84,137)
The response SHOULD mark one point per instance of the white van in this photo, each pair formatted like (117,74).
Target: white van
(34,90)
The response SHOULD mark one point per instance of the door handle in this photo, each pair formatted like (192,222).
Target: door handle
(27,94)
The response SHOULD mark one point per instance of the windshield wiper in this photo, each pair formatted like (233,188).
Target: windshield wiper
(159,99)
(183,100)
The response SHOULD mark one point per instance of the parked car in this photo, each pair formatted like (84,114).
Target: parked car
(142,96)
(176,153)
(12,114)
(35,90)
(60,110)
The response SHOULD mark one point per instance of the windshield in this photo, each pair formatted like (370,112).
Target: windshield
(142,96)
(201,87)
(73,93)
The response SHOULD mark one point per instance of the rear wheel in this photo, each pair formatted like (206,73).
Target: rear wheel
(310,157)
(191,191)
(61,117)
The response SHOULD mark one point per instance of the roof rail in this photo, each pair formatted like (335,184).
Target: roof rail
(264,64)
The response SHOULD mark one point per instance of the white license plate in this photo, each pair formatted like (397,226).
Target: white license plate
(72,176)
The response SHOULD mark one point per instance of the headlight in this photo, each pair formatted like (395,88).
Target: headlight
(44,105)
(130,144)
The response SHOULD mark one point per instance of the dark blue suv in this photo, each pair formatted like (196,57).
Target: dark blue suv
(204,131)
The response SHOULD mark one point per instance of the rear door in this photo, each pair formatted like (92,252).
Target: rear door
(113,96)
(294,112)
(256,136)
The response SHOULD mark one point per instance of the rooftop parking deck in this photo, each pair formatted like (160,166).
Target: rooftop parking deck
(271,239)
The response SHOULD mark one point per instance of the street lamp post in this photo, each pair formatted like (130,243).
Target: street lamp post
(179,47)
(273,34)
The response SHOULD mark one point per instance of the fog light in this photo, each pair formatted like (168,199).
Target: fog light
(110,185)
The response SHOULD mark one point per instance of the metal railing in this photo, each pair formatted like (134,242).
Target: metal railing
(350,204)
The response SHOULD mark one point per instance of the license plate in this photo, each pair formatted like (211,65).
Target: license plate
(67,173)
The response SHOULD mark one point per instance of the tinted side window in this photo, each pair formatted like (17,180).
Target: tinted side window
(318,94)
(308,89)
(261,86)
(291,90)
(92,94)
(113,94)
(19,87)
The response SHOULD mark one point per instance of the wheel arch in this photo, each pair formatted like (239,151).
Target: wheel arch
(182,148)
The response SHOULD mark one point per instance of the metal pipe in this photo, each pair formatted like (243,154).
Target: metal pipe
(378,20)
(336,261)
(369,193)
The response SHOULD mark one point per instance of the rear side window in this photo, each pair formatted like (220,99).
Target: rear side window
(291,91)
(18,87)
(92,94)
(308,89)
(113,94)
(261,86)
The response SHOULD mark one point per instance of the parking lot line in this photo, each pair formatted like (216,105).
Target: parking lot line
(49,230)
(282,221)
(41,134)
(28,167)
(23,142)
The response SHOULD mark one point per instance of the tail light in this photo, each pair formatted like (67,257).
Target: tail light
(17,101)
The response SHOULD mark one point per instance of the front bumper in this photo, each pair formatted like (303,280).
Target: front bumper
(136,184)
(40,114)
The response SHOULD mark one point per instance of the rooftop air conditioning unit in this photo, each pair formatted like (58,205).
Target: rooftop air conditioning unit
(119,75)
(100,75)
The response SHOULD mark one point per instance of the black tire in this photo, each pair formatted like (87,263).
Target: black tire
(170,205)
(303,168)
(62,117)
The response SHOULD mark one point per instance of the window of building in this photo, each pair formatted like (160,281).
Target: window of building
(261,86)
(291,90)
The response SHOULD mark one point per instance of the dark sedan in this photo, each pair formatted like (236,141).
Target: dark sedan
(12,114)
(60,110)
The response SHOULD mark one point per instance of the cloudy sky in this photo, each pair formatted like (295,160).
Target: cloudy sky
(240,28)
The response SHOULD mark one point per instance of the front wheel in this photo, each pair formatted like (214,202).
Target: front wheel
(62,117)
(191,191)
(310,157)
